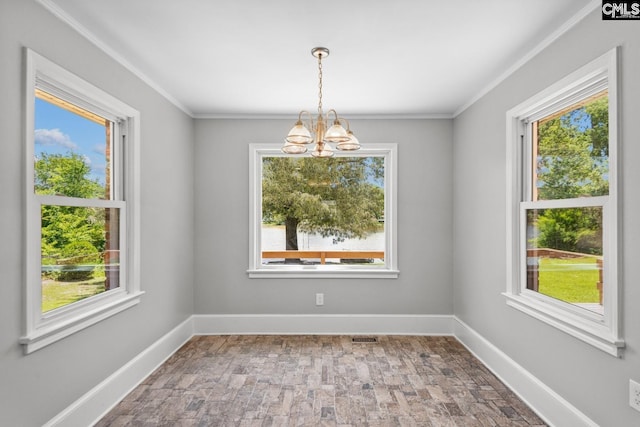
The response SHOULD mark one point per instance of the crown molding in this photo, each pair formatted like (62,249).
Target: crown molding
(92,38)
(564,28)
(351,117)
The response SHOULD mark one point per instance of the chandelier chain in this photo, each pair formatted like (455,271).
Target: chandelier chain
(320,84)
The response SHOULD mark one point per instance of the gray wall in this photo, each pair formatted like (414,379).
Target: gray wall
(424,225)
(36,387)
(595,382)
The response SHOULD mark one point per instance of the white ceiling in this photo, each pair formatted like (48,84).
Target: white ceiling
(408,58)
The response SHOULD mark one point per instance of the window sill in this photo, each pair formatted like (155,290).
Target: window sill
(57,330)
(590,331)
(317,272)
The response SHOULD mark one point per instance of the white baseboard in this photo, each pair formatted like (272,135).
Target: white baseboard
(88,409)
(338,324)
(549,405)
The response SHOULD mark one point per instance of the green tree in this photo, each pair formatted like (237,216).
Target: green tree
(573,154)
(65,175)
(572,229)
(332,197)
(598,112)
(69,231)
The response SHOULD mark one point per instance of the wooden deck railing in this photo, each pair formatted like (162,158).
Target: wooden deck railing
(323,255)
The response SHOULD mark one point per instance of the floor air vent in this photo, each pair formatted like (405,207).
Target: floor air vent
(364,339)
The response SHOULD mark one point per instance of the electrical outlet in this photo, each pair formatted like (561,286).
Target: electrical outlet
(634,395)
(319,299)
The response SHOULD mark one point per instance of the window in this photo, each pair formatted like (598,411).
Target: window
(81,204)
(332,217)
(562,205)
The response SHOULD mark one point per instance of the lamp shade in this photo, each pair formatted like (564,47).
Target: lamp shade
(336,133)
(351,145)
(299,134)
(322,149)
(292,148)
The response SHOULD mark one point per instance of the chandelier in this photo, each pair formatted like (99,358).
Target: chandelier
(300,135)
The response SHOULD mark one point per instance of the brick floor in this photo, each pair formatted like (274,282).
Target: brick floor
(321,381)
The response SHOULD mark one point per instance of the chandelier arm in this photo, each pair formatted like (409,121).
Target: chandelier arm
(308,120)
(335,114)
(342,119)
(304,112)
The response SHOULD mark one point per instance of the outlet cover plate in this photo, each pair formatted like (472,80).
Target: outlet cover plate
(634,395)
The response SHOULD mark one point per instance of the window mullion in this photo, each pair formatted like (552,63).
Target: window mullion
(118,160)
(579,202)
(527,160)
(522,249)
(78,202)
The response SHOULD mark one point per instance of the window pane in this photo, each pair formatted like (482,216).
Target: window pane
(80,253)
(571,151)
(564,255)
(323,211)
(72,150)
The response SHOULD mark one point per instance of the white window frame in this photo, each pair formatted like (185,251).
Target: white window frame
(601,331)
(256,270)
(42,329)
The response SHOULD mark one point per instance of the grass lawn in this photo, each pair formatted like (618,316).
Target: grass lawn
(57,294)
(571,280)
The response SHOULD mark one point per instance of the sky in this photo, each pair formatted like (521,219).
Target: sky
(58,131)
